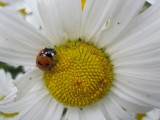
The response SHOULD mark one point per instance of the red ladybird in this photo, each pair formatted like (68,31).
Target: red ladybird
(45,58)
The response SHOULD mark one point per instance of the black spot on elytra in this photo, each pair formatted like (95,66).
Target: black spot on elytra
(47,64)
(39,63)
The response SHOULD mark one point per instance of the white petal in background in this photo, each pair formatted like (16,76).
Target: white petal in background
(7,89)
(7,92)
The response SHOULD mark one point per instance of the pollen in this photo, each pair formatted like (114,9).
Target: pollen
(140,116)
(3,4)
(1,98)
(83,2)
(81,74)
(8,115)
(23,11)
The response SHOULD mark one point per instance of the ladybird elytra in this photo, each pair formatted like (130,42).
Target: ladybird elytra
(44,60)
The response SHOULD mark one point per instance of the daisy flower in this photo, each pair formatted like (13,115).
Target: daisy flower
(100,61)
(7,94)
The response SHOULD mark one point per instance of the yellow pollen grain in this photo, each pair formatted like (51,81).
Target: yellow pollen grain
(8,115)
(140,116)
(83,2)
(23,11)
(81,74)
(1,98)
(3,3)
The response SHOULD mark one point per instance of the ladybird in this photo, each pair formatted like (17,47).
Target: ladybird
(45,58)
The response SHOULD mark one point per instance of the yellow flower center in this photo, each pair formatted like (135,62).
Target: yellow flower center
(81,74)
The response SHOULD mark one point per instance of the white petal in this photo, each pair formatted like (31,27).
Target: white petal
(39,110)
(152,115)
(24,103)
(128,102)
(54,111)
(124,12)
(7,89)
(93,112)
(36,15)
(4,82)
(148,96)
(19,30)
(27,81)
(138,58)
(44,109)
(146,31)
(9,98)
(73,114)
(31,19)
(19,41)
(151,1)
(115,111)
(33,5)
(144,19)
(147,82)
(15,54)
(95,15)
(140,42)
(61,18)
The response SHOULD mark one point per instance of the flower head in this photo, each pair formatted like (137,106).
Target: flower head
(99,71)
